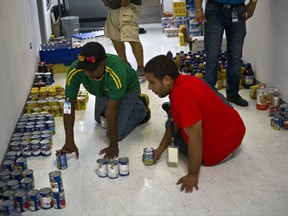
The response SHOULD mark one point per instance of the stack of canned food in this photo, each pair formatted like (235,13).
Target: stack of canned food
(112,168)
(17,192)
(51,100)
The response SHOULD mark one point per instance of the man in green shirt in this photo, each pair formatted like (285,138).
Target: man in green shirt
(116,87)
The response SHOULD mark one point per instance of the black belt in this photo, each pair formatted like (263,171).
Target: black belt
(226,6)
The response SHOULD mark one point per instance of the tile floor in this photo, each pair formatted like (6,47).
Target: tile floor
(253,182)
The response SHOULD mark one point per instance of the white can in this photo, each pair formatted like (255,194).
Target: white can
(103,122)
(113,169)
(102,170)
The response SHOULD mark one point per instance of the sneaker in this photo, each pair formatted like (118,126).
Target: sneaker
(238,100)
(140,74)
(142,31)
(145,99)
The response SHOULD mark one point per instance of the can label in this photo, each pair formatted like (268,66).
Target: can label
(262,99)
(21,201)
(148,156)
(113,169)
(123,166)
(61,160)
(59,200)
(102,170)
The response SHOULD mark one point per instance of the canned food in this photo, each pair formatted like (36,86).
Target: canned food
(8,207)
(284,108)
(40,127)
(33,200)
(113,169)
(21,202)
(9,165)
(27,184)
(81,103)
(148,156)
(3,187)
(17,138)
(51,126)
(12,155)
(123,166)
(103,122)
(262,99)
(26,149)
(8,195)
(16,175)
(5,175)
(56,181)
(15,146)
(29,128)
(45,147)
(13,185)
(59,200)
(28,173)
(21,164)
(46,198)
(61,160)
(276,122)
(35,148)
(102,167)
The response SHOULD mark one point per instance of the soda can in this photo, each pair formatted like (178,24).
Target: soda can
(8,207)
(16,175)
(27,184)
(46,198)
(21,202)
(5,175)
(123,166)
(28,173)
(59,200)
(9,165)
(56,181)
(13,185)
(33,200)
(61,160)
(3,186)
(102,167)
(148,156)
(21,164)
(113,169)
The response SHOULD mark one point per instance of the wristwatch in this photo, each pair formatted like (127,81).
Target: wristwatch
(255,1)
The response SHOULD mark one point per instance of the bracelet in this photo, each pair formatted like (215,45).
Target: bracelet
(200,9)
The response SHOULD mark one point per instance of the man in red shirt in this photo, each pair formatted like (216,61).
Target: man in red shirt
(208,126)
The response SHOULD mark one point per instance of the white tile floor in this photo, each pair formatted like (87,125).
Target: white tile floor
(253,182)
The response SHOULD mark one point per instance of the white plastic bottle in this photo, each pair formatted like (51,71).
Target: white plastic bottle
(276,98)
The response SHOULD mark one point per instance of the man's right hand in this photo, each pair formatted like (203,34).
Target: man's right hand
(69,149)
(157,154)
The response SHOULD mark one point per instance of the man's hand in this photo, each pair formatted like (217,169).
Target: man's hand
(110,152)
(200,17)
(249,10)
(157,154)
(188,182)
(69,149)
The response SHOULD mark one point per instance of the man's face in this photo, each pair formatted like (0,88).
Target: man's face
(98,73)
(159,87)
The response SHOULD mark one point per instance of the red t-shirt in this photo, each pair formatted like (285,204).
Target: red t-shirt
(222,127)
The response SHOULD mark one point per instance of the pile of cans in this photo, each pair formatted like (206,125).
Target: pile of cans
(279,117)
(112,168)
(23,197)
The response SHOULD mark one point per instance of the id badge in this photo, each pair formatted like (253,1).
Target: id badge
(67,107)
(234,16)
(173,154)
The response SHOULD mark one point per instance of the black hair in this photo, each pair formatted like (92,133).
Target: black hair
(161,66)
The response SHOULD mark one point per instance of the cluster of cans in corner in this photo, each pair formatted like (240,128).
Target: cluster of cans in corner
(112,168)
(33,137)
(23,197)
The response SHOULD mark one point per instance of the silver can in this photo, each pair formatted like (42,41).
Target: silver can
(123,166)
(148,156)
(113,169)
(102,170)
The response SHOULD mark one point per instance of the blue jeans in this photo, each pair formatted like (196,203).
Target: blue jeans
(132,112)
(218,20)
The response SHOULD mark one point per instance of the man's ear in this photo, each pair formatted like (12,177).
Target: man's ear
(167,81)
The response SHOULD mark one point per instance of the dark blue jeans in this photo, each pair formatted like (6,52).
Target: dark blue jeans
(218,20)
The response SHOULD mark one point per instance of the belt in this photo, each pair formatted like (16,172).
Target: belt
(226,6)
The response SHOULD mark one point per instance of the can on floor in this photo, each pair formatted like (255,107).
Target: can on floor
(113,169)
(15,146)
(28,173)
(8,195)
(59,200)
(46,198)
(277,122)
(35,148)
(45,148)
(33,200)
(61,160)
(262,99)
(5,175)
(21,202)
(21,164)
(12,155)
(148,156)
(101,169)
(56,181)
(8,207)
(27,184)
(123,166)
(25,149)
(9,165)
(16,175)
(13,185)
(3,186)
(51,126)
(29,128)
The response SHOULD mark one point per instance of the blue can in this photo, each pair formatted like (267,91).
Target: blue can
(29,128)
(61,160)
(8,195)
(12,155)
(9,165)
(15,146)
(33,200)
(13,185)
(16,138)
(45,148)
(56,181)
(8,207)
(51,126)
(35,148)
(28,173)
(40,127)
(21,201)
(123,166)
(59,200)
(20,128)
(16,175)
(21,164)
(3,186)
(46,198)
(36,133)
(5,175)
(27,184)
(26,149)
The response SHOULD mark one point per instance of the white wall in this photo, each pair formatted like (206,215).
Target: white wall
(19,27)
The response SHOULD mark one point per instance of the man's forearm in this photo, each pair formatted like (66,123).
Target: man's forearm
(68,120)
(199,4)
(111,114)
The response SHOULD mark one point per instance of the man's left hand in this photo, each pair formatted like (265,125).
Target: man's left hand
(110,152)
(188,183)
(249,10)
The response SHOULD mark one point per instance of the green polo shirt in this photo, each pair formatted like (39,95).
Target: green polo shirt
(118,80)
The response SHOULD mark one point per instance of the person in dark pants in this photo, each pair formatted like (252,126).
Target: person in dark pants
(231,16)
